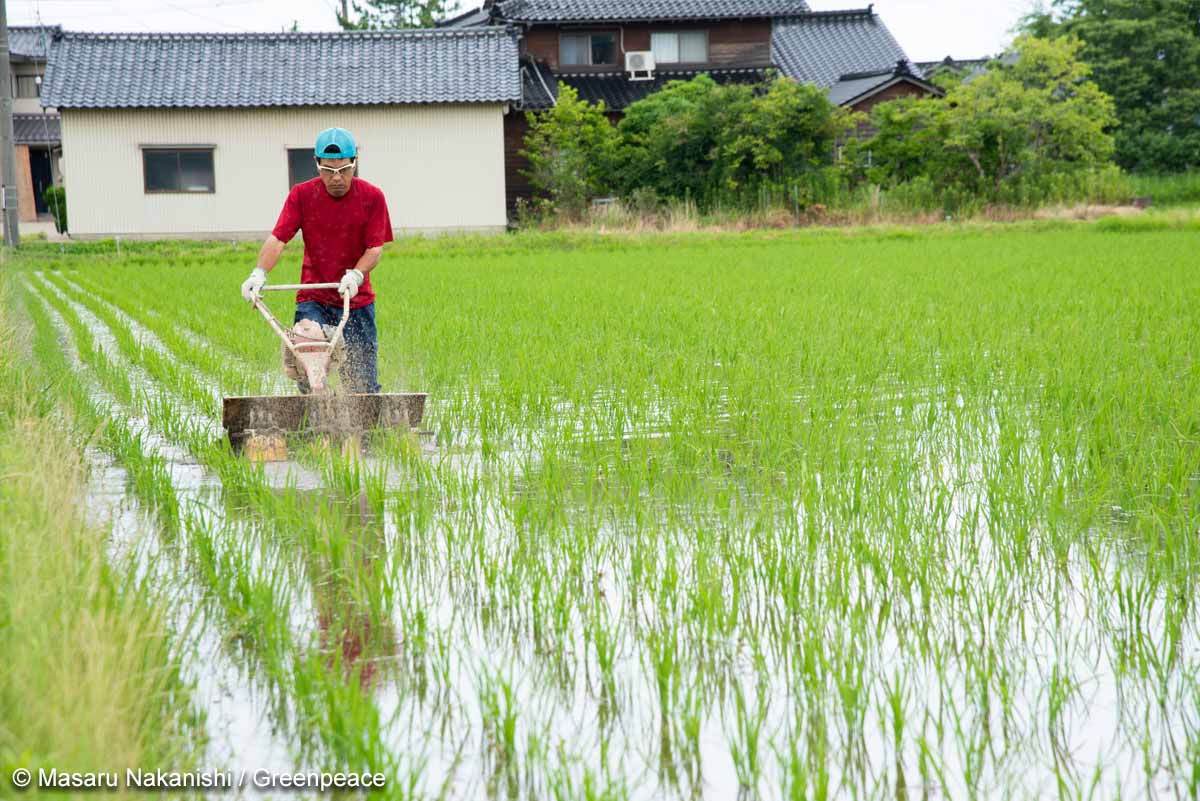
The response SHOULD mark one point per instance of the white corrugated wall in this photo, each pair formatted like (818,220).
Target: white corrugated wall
(440,166)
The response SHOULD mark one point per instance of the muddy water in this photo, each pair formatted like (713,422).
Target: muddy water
(238,709)
(1098,733)
(238,720)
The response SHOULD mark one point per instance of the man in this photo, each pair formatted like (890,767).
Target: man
(345,223)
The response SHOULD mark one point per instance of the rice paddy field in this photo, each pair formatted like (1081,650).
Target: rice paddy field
(888,513)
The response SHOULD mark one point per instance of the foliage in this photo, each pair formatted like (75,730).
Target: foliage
(56,201)
(1175,189)
(1008,135)
(706,141)
(788,130)
(570,150)
(377,15)
(671,140)
(1145,54)
(693,141)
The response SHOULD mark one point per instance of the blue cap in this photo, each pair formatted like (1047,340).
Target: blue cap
(335,143)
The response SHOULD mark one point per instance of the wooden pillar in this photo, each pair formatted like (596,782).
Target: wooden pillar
(25,185)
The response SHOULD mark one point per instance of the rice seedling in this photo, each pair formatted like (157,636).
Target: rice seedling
(804,515)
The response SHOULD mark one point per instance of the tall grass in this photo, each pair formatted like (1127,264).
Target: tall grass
(91,679)
(1182,189)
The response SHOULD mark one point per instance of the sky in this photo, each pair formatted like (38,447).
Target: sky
(926,29)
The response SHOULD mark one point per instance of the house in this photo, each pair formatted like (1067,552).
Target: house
(201,135)
(36,135)
(590,45)
(953,66)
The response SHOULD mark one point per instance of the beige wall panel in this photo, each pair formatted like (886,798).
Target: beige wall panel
(440,166)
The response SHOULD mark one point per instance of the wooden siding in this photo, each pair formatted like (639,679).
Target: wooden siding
(865,129)
(735,43)
(902,89)
(516,185)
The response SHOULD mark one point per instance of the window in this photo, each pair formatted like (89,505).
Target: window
(301,165)
(178,169)
(26,86)
(587,49)
(687,47)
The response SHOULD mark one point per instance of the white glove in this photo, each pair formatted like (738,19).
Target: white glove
(351,281)
(254,284)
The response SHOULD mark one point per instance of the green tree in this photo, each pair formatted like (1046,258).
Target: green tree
(1009,133)
(707,141)
(671,139)
(571,151)
(1145,54)
(786,131)
(906,145)
(375,15)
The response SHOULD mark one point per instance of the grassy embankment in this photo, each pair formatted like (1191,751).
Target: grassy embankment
(90,677)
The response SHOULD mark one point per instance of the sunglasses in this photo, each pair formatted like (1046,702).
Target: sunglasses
(332,171)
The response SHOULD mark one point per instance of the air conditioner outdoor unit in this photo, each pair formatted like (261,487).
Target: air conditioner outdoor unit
(640,65)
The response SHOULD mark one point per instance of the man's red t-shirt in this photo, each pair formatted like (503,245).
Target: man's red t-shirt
(337,231)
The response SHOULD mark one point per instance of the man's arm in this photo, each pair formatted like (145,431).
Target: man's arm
(354,278)
(368,260)
(269,253)
(268,257)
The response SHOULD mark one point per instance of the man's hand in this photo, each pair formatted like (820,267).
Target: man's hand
(351,281)
(254,284)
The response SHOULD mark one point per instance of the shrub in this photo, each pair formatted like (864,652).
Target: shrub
(719,144)
(570,149)
(56,201)
(1009,135)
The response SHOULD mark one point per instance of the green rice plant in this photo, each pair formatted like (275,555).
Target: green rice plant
(877,475)
(747,744)
(127,704)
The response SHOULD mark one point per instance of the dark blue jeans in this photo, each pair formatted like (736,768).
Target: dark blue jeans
(360,373)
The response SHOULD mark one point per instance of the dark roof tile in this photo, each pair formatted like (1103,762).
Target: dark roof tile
(539,86)
(98,70)
(37,129)
(620,10)
(825,46)
(854,87)
(618,91)
(26,41)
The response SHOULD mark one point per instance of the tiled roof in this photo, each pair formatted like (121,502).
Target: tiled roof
(617,91)
(631,10)
(29,41)
(952,64)
(859,86)
(539,86)
(824,46)
(849,88)
(474,17)
(161,70)
(37,129)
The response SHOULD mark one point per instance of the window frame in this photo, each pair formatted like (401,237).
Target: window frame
(589,33)
(287,154)
(178,149)
(16,84)
(679,49)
